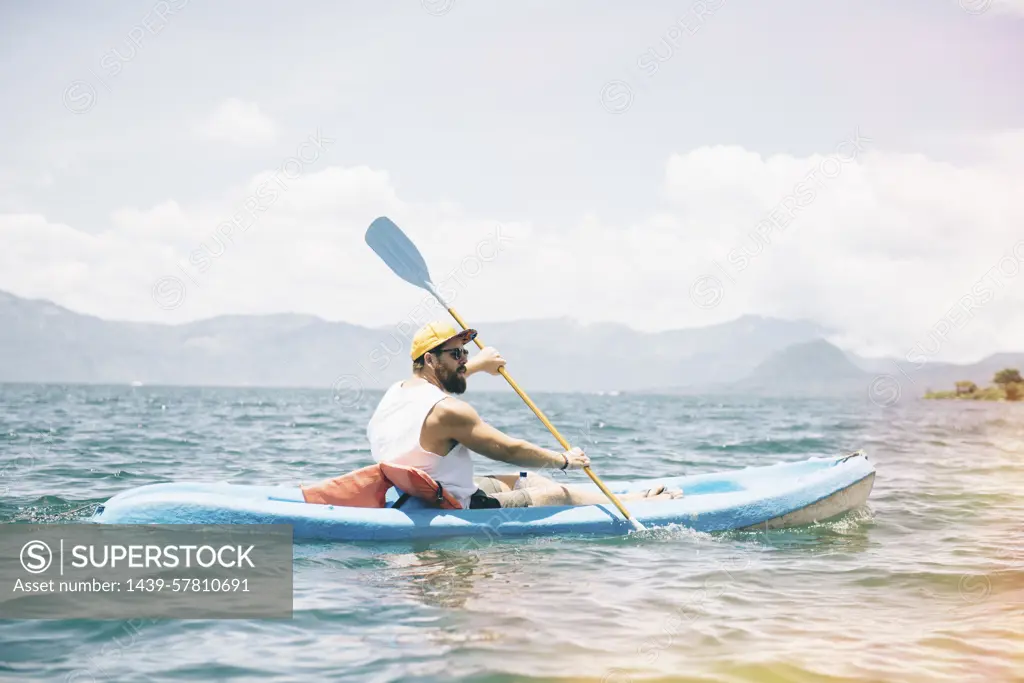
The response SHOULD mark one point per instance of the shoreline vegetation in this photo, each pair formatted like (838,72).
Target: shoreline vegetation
(1007,385)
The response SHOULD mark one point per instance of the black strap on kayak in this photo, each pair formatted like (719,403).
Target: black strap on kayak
(854,454)
(438,498)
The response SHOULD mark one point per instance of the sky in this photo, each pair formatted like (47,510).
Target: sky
(659,164)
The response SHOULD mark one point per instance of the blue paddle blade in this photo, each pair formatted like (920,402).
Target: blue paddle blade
(398,252)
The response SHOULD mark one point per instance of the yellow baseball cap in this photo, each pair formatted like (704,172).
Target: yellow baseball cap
(434,334)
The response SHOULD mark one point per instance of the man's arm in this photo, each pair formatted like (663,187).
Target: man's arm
(459,421)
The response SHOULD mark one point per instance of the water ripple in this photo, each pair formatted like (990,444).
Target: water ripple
(924,584)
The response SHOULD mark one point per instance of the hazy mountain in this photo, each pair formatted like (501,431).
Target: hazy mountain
(815,367)
(938,376)
(43,342)
(943,376)
(603,356)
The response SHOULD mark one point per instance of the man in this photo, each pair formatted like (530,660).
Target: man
(421,424)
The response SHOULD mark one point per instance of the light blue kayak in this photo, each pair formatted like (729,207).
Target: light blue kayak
(772,497)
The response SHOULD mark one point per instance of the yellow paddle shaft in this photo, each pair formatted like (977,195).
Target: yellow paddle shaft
(547,423)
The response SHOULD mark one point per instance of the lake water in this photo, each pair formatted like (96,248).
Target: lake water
(925,584)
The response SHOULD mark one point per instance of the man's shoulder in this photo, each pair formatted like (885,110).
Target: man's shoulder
(453,410)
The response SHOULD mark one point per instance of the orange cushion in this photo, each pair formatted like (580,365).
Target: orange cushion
(364,488)
(419,484)
(368,486)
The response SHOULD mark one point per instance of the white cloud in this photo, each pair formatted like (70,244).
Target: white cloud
(881,247)
(239,123)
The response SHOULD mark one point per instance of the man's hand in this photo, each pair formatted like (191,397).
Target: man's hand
(576,459)
(488,360)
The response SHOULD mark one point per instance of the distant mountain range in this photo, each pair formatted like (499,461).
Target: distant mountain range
(43,342)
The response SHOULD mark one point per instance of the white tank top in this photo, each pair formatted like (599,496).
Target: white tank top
(394,435)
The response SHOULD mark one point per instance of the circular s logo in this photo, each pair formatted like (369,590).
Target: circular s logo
(707,292)
(36,557)
(976,7)
(616,97)
(437,8)
(348,391)
(885,391)
(79,97)
(168,292)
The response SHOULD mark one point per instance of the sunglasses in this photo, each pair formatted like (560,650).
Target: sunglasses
(457,354)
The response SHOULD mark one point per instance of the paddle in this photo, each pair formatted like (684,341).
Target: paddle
(402,257)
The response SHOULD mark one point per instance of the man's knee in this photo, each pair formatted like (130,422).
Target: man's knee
(539,481)
(551,495)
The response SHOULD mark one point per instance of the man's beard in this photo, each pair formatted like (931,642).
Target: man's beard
(453,381)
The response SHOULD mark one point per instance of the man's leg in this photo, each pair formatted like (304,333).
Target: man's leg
(573,495)
(500,488)
(499,483)
(544,491)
